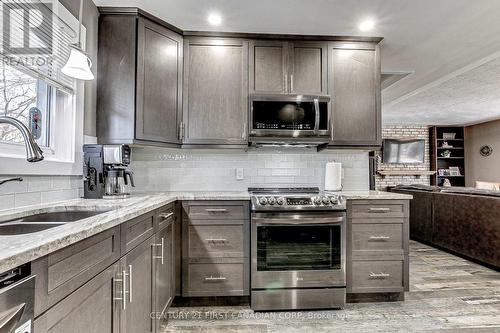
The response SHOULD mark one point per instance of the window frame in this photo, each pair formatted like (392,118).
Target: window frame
(63,156)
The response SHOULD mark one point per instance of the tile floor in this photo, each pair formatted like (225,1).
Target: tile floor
(447,294)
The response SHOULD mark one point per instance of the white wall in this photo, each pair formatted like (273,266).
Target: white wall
(159,169)
(477,167)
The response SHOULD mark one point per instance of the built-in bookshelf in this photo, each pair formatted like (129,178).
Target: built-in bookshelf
(447,155)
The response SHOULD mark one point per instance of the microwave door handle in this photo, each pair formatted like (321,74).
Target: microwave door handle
(316,120)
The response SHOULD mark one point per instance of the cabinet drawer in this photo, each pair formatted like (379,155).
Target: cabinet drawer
(377,276)
(215,280)
(376,239)
(62,272)
(216,211)
(220,240)
(378,209)
(136,231)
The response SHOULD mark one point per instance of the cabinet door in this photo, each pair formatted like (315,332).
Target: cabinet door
(137,268)
(354,84)
(308,68)
(159,83)
(163,272)
(216,91)
(269,67)
(91,308)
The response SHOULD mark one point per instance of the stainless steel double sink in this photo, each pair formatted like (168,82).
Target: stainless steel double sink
(43,221)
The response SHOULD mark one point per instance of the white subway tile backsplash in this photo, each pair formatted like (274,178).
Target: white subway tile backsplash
(7,202)
(206,170)
(27,199)
(34,190)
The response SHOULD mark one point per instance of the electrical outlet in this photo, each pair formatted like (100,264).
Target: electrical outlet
(240,174)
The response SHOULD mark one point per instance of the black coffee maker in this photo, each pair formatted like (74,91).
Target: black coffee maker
(104,170)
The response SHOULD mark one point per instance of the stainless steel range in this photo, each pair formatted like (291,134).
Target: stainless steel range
(298,249)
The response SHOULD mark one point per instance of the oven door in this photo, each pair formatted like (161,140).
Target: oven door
(290,116)
(298,250)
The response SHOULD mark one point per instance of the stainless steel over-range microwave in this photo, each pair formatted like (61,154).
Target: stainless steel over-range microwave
(289,119)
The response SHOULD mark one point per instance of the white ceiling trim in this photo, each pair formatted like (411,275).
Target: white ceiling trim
(443,79)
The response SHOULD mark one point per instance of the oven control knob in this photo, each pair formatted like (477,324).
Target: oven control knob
(263,201)
(272,201)
(280,201)
(326,200)
(317,201)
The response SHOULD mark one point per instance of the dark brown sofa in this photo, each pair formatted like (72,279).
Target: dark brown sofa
(463,221)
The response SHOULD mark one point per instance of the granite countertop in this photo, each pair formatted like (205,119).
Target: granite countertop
(16,250)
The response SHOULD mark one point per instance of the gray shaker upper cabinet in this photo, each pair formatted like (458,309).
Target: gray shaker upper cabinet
(354,84)
(298,67)
(140,81)
(308,68)
(215,92)
(268,67)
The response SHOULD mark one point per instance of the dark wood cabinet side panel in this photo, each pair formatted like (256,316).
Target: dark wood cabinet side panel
(116,79)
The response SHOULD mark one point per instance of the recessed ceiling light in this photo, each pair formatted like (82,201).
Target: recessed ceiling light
(214,19)
(367,25)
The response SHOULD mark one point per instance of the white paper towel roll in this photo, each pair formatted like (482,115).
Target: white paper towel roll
(333,176)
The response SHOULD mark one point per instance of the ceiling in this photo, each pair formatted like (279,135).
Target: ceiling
(449,46)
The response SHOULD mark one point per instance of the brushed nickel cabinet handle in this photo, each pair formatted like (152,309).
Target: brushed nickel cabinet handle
(380,209)
(162,249)
(166,216)
(379,275)
(380,238)
(219,278)
(291,82)
(216,210)
(130,283)
(286,82)
(123,280)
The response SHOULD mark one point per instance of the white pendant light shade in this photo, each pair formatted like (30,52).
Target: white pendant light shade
(78,65)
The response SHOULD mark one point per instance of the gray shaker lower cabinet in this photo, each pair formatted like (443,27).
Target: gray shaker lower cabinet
(137,268)
(377,246)
(88,287)
(91,308)
(215,248)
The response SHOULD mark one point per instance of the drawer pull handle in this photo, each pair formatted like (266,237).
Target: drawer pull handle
(216,240)
(216,210)
(379,238)
(379,275)
(380,209)
(162,249)
(219,278)
(166,216)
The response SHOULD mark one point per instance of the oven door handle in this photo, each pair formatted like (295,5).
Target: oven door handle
(307,221)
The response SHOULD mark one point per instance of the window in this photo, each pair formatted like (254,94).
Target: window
(28,100)
(34,90)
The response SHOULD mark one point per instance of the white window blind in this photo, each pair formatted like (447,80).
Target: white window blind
(35,40)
